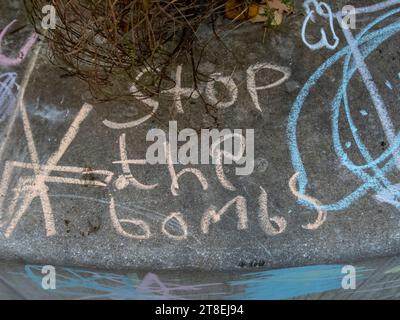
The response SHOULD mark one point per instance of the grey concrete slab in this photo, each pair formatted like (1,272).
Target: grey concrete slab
(69,217)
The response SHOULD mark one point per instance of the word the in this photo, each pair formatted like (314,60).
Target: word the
(235,145)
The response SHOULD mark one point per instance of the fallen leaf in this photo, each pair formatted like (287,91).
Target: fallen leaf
(278,19)
(279,6)
(234,11)
(258,19)
(261,16)
(257,12)
(253,11)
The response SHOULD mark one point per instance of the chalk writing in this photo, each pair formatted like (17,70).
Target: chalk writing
(35,186)
(251,80)
(210,92)
(36,177)
(153,104)
(322,215)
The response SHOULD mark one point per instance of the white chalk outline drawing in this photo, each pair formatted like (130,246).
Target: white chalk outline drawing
(319,9)
(30,187)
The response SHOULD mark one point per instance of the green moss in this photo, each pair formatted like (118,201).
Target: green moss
(269,13)
(289,3)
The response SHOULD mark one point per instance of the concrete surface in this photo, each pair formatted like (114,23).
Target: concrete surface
(374,279)
(83,233)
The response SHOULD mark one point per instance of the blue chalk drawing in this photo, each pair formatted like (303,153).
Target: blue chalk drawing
(88,284)
(387,195)
(292,282)
(373,173)
(273,284)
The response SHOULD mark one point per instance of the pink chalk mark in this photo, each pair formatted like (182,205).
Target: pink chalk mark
(152,284)
(10,62)
(148,282)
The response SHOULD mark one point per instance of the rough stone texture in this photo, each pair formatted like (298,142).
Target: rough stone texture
(85,235)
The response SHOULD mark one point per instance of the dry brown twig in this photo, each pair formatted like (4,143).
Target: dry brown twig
(101,40)
(108,42)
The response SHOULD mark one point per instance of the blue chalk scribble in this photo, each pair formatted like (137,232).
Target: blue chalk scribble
(373,173)
(86,284)
(292,282)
